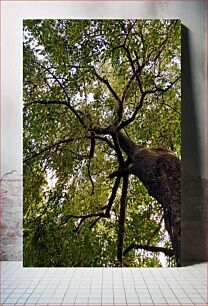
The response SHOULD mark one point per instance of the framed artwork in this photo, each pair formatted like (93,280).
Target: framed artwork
(101,142)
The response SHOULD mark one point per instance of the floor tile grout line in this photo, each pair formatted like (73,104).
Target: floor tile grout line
(122,275)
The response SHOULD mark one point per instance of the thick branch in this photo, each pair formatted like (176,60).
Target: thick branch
(91,155)
(118,151)
(167,252)
(113,195)
(119,172)
(122,217)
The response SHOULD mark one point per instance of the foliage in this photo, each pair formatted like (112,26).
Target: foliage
(79,77)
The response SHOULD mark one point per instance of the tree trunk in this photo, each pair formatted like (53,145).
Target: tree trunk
(160,172)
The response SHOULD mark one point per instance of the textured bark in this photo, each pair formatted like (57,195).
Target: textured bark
(160,171)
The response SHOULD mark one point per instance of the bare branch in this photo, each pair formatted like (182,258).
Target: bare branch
(134,75)
(96,220)
(129,31)
(98,215)
(105,140)
(90,177)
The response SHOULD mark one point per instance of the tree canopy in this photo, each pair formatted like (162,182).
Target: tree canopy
(86,81)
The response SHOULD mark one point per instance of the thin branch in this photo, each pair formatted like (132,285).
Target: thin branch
(167,252)
(96,220)
(110,88)
(159,89)
(156,230)
(106,214)
(134,75)
(133,116)
(106,82)
(105,140)
(67,140)
(65,93)
(175,110)
(35,154)
(67,218)
(129,31)
(135,71)
(46,102)
(110,202)
(139,106)
(162,45)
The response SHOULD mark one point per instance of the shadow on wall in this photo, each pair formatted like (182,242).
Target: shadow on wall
(193,221)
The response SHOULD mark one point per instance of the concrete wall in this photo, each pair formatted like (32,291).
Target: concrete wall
(194,109)
(11,217)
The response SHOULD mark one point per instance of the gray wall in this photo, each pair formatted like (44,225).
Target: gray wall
(194,109)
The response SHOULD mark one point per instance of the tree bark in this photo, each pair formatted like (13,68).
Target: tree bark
(160,172)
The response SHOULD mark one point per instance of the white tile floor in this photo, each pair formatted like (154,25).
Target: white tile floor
(103,286)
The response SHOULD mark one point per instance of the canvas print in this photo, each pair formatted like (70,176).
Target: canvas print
(101,119)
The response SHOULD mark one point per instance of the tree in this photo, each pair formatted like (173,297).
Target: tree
(99,96)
